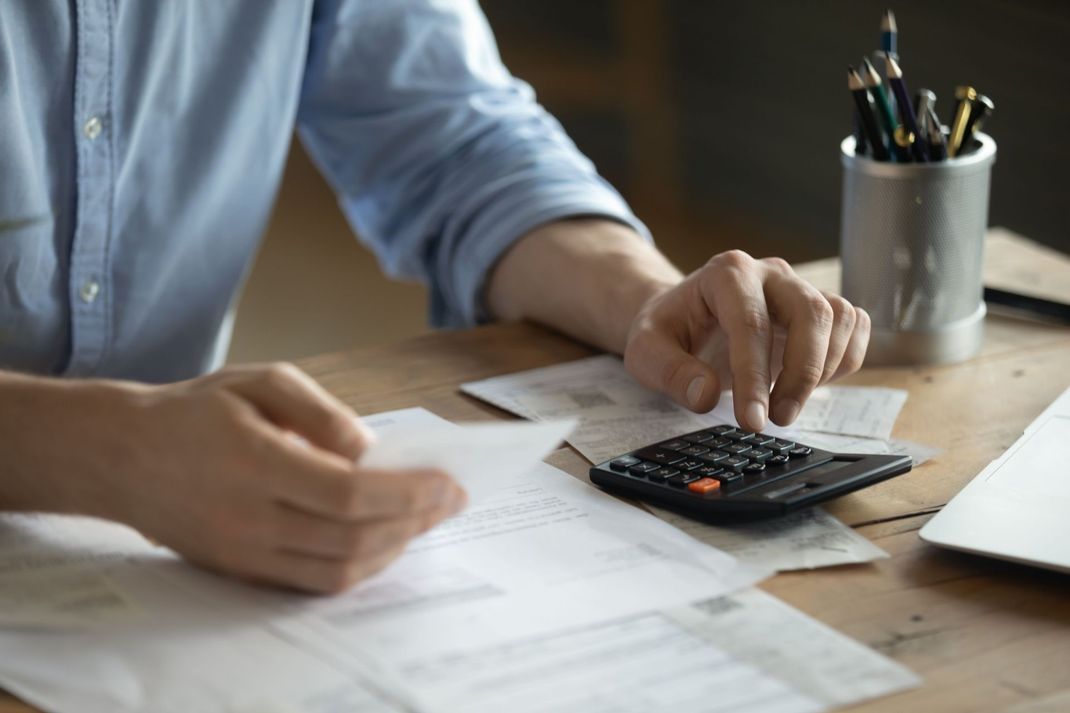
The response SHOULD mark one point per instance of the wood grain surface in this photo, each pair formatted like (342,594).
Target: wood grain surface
(984,635)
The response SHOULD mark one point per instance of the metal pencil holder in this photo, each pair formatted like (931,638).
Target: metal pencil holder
(912,241)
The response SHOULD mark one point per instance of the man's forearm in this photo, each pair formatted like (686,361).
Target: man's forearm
(587,277)
(46,427)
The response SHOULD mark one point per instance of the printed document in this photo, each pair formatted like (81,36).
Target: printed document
(548,595)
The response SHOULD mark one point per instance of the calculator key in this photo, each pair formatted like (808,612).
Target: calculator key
(780,446)
(662,474)
(778,459)
(681,479)
(759,439)
(754,468)
(734,463)
(739,435)
(723,430)
(800,451)
(643,468)
(708,471)
(624,463)
(702,437)
(676,445)
(704,486)
(695,450)
(736,448)
(757,454)
(729,478)
(713,457)
(689,465)
(720,443)
(659,455)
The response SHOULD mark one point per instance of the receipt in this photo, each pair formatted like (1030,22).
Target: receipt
(617,415)
(801,540)
(866,411)
(483,457)
(755,627)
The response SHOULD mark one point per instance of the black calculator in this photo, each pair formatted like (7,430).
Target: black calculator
(729,473)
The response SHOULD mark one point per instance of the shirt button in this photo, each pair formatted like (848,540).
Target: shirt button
(89,291)
(93,127)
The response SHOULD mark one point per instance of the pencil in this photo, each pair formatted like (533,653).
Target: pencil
(889,34)
(885,115)
(906,110)
(864,106)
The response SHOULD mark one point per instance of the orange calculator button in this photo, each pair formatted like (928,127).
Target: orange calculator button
(704,485)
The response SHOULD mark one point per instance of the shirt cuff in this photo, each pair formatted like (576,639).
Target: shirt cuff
(511,218)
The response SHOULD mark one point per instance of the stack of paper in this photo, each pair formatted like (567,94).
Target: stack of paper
(546,595)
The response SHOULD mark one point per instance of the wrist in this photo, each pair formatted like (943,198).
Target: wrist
(63,449)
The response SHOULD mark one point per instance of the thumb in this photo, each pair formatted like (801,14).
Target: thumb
(658,361)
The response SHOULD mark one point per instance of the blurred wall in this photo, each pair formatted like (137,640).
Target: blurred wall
(719,121)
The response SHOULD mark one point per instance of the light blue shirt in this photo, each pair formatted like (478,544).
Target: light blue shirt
(142,144)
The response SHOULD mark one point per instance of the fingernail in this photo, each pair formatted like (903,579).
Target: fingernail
(755,414)
(787,410)
(694,390)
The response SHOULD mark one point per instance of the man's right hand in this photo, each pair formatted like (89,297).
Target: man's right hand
(213,468)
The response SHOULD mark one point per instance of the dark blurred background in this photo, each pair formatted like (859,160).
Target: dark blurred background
(719,121)
(722,120)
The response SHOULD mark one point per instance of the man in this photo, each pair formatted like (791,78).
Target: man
(142,145)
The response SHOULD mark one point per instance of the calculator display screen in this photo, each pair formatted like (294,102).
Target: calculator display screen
(825,468)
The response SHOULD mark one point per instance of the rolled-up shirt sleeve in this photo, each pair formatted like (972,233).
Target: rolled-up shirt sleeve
(440,158)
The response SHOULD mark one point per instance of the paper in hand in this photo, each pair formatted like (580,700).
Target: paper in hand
(483,457)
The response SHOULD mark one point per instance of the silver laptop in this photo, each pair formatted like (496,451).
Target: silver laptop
(1018,508)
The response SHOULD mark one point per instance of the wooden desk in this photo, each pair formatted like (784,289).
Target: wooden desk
(985,635)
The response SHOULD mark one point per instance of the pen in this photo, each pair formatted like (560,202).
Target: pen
(865,109)
(937,144)
(889,34)
(965,97)
(861,143)
(1033,305)
(923,98)
(885,115)
(906,111)
(904,140)
(982,108)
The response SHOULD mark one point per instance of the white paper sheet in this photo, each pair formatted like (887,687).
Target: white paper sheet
(802,540)
(481,456)
(537,555)
(755,627)
(864,411)
(200,643)
(617,415)
(47,580)
(537,599)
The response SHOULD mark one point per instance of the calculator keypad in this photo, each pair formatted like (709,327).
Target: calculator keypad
(715,460)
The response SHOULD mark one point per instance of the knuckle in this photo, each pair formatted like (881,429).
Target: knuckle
(732,260)
(820,309)
(778,264)
(280,373)
(841,307)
